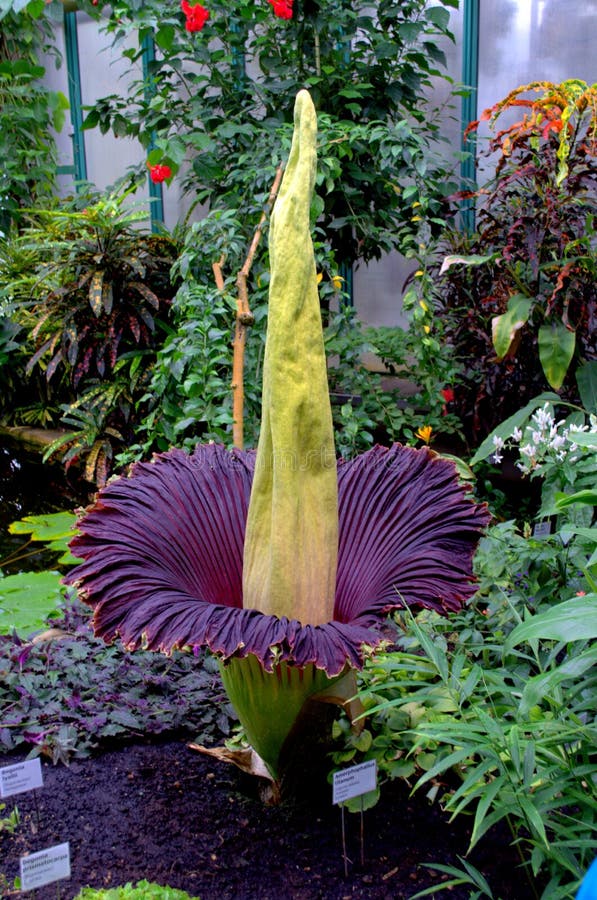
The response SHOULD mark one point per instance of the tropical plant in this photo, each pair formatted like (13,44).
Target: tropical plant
(217,100)
(502,696)
(518,295)
(143,890)
(28,110)
(327,549)
(88,293)
(103,419)
(101,282)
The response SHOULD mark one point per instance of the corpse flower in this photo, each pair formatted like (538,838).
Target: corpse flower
(283,562)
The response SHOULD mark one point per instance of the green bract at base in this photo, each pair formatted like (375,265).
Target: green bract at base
(269,704)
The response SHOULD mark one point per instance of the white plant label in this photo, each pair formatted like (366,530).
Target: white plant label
(44,867)
(20,777)
(542,529)
(354,781)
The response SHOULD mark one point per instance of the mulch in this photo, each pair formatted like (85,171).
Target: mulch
(165,813)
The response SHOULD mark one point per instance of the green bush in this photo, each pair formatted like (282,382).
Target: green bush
(492,711)
(143,890)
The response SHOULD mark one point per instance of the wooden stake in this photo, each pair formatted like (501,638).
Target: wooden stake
(244,318)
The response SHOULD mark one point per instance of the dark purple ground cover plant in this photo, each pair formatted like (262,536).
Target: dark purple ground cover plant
(67,696)
(283,563)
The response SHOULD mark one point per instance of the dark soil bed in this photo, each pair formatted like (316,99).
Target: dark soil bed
(168,814)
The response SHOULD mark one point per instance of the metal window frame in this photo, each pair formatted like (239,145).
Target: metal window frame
(470,78)
(73,70)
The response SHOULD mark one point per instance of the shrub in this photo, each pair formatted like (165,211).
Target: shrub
(518,295)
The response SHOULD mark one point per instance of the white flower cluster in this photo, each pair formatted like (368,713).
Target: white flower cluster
(543,442)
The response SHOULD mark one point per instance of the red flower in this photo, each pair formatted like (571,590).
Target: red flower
(282,8)
(196,15)
(159,173)
(448,395)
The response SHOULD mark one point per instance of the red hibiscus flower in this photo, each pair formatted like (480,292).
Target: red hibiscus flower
(282,8)
(159,173)
(196,15)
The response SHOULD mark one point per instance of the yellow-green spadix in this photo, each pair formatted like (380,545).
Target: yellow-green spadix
(291,541)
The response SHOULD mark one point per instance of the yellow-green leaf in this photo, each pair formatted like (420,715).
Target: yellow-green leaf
(505,327)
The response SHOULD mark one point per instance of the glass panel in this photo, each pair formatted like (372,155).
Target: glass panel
(56,79)
(534,40)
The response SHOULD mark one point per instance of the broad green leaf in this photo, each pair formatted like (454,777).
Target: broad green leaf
(164,37)
(586,379)
(586,496)
(59,104)
(504,328)
(363,802)
(54,529)
(27,599)
(572,620)
(585,439)
(45,527)
(556,349)
(438,15)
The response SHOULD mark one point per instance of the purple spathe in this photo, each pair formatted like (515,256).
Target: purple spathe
(163,552)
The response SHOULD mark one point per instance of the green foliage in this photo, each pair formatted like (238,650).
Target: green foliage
(28,111)
(11,822)
(143,890)
(189,396)
(27,599)
(518,295)
(90,291)
(492,711)
(468,875)
(222,99)
(383,406)
(68,695)
(53,529)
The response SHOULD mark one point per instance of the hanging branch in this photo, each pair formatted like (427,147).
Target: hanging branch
(244,319)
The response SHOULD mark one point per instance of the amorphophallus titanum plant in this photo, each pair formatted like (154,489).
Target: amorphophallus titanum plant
(283,562)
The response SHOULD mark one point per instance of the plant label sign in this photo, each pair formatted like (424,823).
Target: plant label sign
(542,529)
(44,867)
(354,781)
(20,777)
